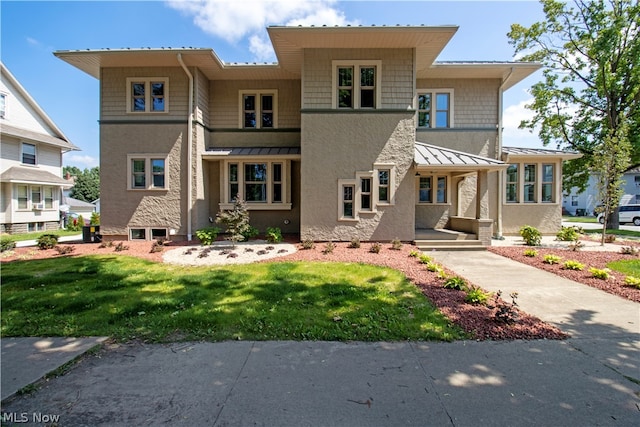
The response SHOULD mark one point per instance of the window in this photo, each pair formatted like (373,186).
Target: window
(512,184)
(365,194)
(263,185)
(547,183)
(143,233)
(23,197)
(147,172)
(383,185)
(147,95)
(28,154)
(356,84)
(574,200)
(3,105)
(530,183)
(36,195)
(258,109)
(636,179)
(48,197)
(435,108)
(347,201)
(426,193)
(138,234)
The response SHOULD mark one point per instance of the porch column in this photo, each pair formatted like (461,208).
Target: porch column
(482,195)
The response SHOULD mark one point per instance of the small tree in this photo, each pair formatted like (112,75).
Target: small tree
(235,220)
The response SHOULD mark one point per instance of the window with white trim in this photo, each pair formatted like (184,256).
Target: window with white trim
(533,182)
(148,233)
(23,196)
(512,183)
(29,154)
(48,197)
(548,183)
(384,180)
(433,189)
(356,84)
(147,94)
(347,205)
(435,108)
(262,184)
(529,183)
(259,109)
(365,194)
(36,194)
(574,200)
(147,172)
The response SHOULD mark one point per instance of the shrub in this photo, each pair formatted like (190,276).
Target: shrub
(375,248)
(600,273)
(629,250)
(121,247)
(414,253)
(207,235)
(609,238)
(532,253)
(235,220)
(573,265)
(274,235)
(308,244)
(506,312)
(632,281)
(531,235)
(47,241)
(456,282)
(355,243)
(64,250)
(250,232)
(576,246)
(75,224)
(568,234)
(328,248)
(396,244)
(551,259)
(95,219)
(156,246)
(6,244)
(424,259)
(433,267)
(476,295)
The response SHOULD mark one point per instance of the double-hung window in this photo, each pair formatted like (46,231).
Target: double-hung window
(262,184)
(529,194)
(259,109)
(435,108)
(23,196)
(348,210)
(547,183)
(147,94)
(147,172)
(356,84)
(48,197)
(432,189)
(512,183)
(384,179)
(255,182)
(29,154)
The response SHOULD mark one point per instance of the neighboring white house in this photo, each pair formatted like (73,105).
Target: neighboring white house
(585,203)
(31,148)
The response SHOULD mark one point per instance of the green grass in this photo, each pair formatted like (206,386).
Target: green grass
(128,298)
(621,233)
(583,219)
(629,267)
(35,235)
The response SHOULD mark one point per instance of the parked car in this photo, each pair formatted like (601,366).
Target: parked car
(628,213)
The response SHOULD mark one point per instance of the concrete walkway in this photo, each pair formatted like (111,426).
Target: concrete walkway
(589,379)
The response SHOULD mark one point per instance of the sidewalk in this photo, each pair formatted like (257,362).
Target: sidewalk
(63,239)
(589,379)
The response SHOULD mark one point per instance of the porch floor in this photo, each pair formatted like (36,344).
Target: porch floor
(428,239)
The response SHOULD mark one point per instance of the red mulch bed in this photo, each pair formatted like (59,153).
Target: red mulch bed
(477,320)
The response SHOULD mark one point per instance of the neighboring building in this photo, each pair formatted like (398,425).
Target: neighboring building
(580,204)
(31,148)
(355,132)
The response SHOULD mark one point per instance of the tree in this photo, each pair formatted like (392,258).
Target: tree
(236,220)
(590,92)
(87,183)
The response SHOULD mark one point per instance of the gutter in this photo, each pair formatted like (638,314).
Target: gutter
(189,150)
(498,234)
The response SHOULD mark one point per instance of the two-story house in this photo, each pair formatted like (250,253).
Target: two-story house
(354,132)
(31,148)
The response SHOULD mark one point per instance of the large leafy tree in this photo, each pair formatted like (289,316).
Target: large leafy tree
(87,183)
(590,91)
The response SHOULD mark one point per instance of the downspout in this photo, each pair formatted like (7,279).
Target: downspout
(498,234)
(189,150)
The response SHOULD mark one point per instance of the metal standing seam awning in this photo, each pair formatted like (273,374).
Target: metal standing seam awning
(429,158)
(232,152)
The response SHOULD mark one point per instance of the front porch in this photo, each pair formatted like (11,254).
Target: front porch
(448,239)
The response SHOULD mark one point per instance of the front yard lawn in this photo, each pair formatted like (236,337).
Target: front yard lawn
(129,298)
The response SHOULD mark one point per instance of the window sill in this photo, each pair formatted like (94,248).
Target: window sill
(433,204)
(348,219)
(259,206)
(148,189)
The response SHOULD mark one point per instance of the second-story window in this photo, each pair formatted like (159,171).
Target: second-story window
(356,84)
(259,109)
(28,154)
(435,108)
(147,95)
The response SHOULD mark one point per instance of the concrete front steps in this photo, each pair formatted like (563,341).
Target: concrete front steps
(447,240)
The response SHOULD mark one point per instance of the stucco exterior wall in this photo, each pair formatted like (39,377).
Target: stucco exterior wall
(396,75)
(545,217)
(337,146)
(121,207)
(253,138)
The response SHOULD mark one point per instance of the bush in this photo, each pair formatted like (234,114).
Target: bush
(600,273)
(456,282)
(414,253)
(434,267)
(207,235)
(47,241)
(6,244)
(355,243)
(424,259)
(250,233)
(568,234)
(576,245)
(532,253)
(629,250)
(551,259)
(632,281)
(476,295)
(375,248)
(573,265)
(95,219)
(506,312)
(396,244)
(274,235)
(156,246)
(64,250)
(121,247)
(531,235)
(308,244)
(328,248)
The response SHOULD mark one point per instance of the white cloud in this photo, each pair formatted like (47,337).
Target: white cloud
(234,20)
(511,135)
(80,161)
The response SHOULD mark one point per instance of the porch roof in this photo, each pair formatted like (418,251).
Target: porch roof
(26,175)
(434,157)
(511,152)
(287,152)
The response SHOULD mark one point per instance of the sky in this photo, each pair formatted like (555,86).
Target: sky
(236,30)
